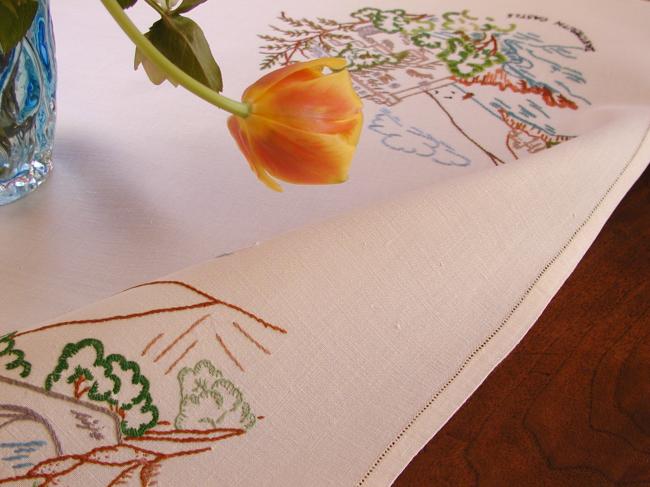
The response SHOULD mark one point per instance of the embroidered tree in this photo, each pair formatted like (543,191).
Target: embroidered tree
(299,37)
(11,358)
(210,401)
(393,54)
(112,380)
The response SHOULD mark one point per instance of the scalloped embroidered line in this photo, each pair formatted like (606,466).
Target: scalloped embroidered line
(507,317)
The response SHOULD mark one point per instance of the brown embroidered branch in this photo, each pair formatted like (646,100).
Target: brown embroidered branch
(301,35)
(151,344)
(179,337)
(182,355)
(125,475)
(78,390)
(194,436)
(210,301)
(105,457)
(228,352)
(250,338)
(495,160)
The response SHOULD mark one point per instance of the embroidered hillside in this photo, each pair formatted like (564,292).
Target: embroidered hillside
(109,400)
(480,73)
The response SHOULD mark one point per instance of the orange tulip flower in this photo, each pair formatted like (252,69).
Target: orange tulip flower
(303,126)
(299,124)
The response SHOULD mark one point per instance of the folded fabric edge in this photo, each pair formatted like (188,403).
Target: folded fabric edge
(448,399)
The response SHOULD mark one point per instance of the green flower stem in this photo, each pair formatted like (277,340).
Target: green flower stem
(169,68)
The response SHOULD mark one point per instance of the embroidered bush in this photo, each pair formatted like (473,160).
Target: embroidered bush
(389,21)
(112,380)
(11,358)
(465,59)
(467,45)
(209,401)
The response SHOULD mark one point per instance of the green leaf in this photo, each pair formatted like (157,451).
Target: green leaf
(187,5)
(181,40)
(127,3)
(16,17)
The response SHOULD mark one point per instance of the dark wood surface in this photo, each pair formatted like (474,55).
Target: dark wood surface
(570,406)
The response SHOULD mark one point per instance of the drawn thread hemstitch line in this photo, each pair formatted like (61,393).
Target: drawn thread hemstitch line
(507,317)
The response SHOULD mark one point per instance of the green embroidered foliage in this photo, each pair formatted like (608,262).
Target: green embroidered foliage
(463,22)
(467,45)
(113,380)
(210,401)
(470,47)
(425,39)
(465,59)
(359,58)
(389,21)
(12,358)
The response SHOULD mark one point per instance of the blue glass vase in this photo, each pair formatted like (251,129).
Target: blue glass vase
(27,109)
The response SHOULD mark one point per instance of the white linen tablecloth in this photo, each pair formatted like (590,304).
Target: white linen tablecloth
(147,180)
(344,344)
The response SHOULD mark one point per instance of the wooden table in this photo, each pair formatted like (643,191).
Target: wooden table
(570,406)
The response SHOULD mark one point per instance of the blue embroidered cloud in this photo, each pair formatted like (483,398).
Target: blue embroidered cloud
(412,140)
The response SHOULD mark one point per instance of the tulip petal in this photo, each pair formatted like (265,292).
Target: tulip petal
(303,126)
(298,156)
(298,71)
(311,105)
(238,131)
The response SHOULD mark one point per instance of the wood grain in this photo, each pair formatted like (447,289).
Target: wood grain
(570,406)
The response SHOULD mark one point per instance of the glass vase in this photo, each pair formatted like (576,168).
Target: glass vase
(27,109)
